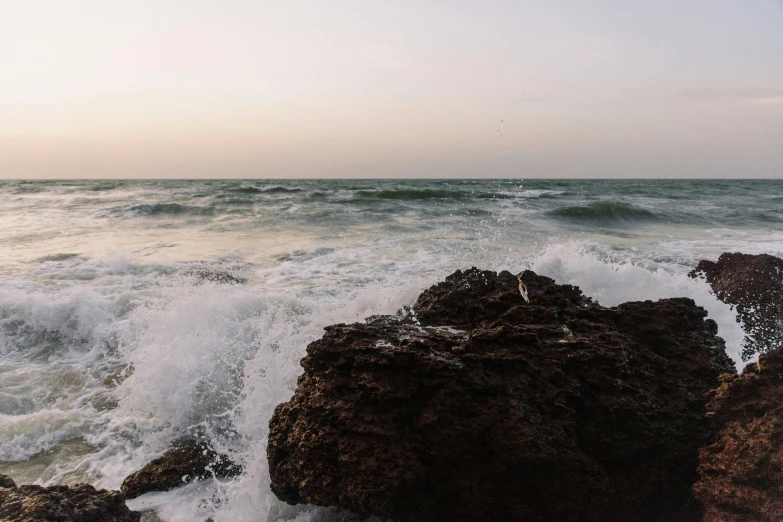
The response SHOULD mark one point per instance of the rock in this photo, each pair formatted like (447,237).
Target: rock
(80,503)
(554,410)
(7,482)
(742,471)
(185,463)
(754,285)
(205,275)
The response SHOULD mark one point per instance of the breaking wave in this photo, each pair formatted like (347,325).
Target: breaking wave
(606,211)
(264,190)
(157,209)
(416,194)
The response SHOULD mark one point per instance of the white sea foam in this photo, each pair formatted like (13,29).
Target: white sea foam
(610,280)
(531,194)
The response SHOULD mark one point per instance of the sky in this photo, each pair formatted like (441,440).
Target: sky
(369,88)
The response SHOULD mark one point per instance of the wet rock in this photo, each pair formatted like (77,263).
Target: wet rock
(742,472)
(478,298)
(80,503)
(556,409)
(205,275)
(187,462)
(7,482)
(754,285)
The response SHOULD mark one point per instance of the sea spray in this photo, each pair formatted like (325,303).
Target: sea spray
(611,283)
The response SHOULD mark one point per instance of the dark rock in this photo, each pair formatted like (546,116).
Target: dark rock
(80,503)
(190,461)
(554,410)
(478,298)
(742,472)
(7,482)
(754,285)
(205,275)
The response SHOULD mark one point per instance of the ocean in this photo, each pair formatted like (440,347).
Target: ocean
(133,313)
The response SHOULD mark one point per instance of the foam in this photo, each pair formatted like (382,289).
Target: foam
(611,280)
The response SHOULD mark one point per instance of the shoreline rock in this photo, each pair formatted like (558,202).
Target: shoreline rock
(742,471)
(754,285)
(78,503)
(188,461)
(484,407)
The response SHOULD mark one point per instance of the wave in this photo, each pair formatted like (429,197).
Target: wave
(536,194)
(607,211)
(264,190)
(157,209)
(56,257)
(410,194)
(416,194)
(102,187)
(770,216)
(237,201)
(494,195)
(28,189)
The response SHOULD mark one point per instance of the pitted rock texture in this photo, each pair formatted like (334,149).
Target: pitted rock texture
(80,503)
(742,472)
(754,285)
(185,463)
(554,410)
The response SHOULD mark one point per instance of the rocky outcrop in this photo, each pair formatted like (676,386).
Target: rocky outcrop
(754,285)
(206,275)
(482,406)
(187,462)
(80,503)
(7,482)
(742,472)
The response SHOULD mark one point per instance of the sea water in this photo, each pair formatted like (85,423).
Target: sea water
(133,313)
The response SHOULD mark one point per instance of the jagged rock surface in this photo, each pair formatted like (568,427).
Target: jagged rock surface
(7,482)
(206,275)
(754,285)
(185,463)
(80,503)
(742,472)
(554,410)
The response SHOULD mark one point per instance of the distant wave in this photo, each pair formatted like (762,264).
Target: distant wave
(264,190)
(414,194)
(769,216)
(28,189)
(410,194)
(605,211)
(156,209)
(493,195)
(540,193)
(237,201)
(101,187)
(56,257)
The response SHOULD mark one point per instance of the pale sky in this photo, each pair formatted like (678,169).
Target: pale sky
(366,88)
